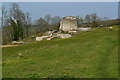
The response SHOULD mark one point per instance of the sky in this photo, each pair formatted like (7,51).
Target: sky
(62,9)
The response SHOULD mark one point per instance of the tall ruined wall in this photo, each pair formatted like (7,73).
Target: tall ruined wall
(68,23)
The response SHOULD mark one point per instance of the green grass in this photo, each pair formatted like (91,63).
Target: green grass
(90,54)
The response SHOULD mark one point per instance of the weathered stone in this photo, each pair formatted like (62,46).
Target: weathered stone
(14,42)
(64,35)
(38,38)
(41,38)
(85,29)
(48,33)
(72,31)
(49,38)
(68,23)
(18,42)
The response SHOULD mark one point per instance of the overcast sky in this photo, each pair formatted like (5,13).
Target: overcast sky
(40,9)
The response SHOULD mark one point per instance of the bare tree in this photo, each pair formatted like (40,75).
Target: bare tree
(80,20)
(105,18)
(94,19)
(16,12)
(87,19)
(47,18)
(42,25)
(55,20)
(19,18)
(4,15)
(7,31)
(27,23)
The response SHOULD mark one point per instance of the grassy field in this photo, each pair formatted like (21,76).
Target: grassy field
(92,54)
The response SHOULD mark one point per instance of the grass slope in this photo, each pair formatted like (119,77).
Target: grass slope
(90,54)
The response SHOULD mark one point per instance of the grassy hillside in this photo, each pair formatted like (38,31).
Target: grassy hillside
(90,54)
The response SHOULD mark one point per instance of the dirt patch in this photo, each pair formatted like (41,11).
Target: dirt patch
(8,45)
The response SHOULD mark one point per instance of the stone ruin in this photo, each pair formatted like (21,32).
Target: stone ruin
(68,23)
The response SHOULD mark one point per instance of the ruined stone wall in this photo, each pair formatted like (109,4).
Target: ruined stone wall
(68,23)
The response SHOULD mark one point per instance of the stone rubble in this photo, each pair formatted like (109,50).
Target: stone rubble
(49,35)
(53,35)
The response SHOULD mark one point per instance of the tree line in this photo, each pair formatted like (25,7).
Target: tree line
(17,25)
